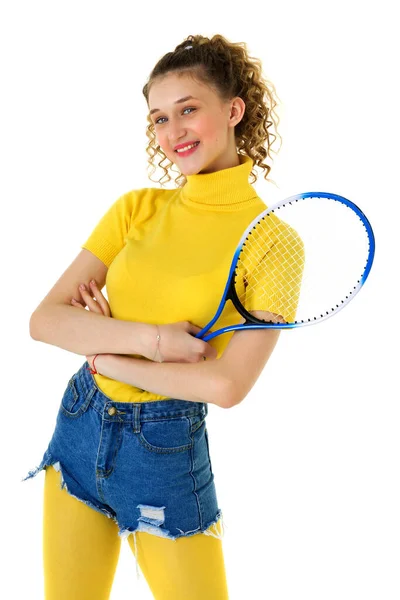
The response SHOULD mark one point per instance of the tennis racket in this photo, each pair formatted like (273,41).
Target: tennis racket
(300,261)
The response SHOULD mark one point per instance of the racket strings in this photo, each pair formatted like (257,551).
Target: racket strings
(271,251)
(273,275)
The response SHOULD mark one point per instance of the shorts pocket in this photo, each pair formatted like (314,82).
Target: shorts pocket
(76,398)
(196,422)
(166,435)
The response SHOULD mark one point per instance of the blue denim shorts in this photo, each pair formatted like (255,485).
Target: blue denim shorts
(145,465)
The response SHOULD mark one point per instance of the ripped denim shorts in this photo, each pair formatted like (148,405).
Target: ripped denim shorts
(145,465)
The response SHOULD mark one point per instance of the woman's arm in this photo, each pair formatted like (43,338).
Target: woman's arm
(57,323)
(84,332)
(225,382)
(196,382)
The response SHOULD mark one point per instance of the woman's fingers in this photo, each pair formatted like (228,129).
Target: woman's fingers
(76,303)
(97,304)
(89,301)
(105,307)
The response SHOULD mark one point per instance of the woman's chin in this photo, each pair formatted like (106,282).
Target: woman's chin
(188,169)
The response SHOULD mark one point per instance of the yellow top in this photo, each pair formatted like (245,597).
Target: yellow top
(169,253)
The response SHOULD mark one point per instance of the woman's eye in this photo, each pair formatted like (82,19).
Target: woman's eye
(187,108)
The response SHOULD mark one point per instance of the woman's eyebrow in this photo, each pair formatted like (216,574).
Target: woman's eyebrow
(176,102)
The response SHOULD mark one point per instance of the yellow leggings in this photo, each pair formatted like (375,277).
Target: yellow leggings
(81,548)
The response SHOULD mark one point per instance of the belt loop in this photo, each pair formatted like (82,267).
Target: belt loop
(136,417)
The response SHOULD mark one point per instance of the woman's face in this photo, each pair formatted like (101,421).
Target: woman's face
(202,118)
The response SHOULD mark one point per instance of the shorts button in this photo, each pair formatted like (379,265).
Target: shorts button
(112,410)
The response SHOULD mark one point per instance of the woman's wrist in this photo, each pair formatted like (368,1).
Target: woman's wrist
(150,342)
(97,364)
(157,354)
(143,339)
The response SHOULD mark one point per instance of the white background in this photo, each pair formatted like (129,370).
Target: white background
(307,466)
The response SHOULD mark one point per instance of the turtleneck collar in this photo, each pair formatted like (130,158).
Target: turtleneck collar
(222,190)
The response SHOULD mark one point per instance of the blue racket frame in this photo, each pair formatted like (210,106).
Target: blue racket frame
(230,292)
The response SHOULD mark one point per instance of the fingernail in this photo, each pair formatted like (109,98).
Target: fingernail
(93,282)
(82,286)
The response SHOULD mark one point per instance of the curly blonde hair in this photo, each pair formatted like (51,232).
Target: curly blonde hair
(228,69)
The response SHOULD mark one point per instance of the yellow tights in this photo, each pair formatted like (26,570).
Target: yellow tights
(81,548)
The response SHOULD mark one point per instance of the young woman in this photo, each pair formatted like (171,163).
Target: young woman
(130,441)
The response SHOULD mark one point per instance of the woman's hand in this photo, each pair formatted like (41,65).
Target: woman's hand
(97,304)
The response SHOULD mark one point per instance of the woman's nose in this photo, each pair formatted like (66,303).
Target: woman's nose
(176,133)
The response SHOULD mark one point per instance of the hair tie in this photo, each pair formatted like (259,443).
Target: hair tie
(188,47)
